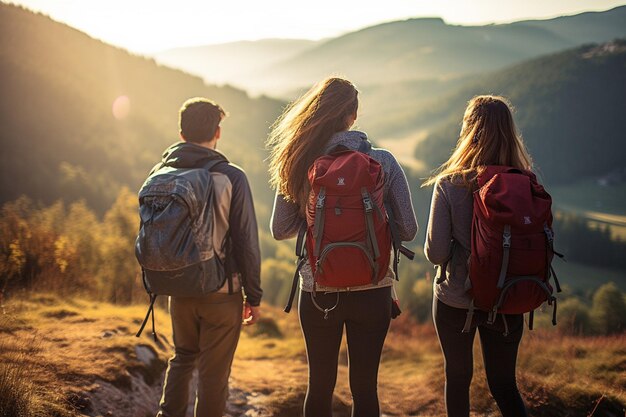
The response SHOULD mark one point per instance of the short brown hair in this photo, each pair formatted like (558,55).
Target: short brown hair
(199,118)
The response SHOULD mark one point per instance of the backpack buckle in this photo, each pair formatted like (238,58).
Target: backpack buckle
(320,201)
(506,237)
(549,233)
(367,203)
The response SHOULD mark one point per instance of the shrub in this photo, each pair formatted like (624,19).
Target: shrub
(276,277)
(421,302)
(267,327)
(608,313)
(573,316)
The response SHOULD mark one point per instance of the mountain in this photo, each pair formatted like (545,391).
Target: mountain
(59,134)
(570,110)
(413,49)
(585,27)
(234,62)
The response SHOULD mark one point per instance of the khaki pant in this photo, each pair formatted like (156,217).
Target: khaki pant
(206,331)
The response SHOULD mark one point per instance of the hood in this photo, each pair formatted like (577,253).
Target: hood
(351,139)
(189,155)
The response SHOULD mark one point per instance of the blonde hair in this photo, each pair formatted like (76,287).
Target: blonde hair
(488,137)
(301,133)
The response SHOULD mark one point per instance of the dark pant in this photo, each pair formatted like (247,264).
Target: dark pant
(366,316)
(499,357)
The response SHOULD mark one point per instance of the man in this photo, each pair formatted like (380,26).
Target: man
(206,329)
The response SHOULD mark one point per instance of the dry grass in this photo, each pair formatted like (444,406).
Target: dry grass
(19,396)
(561,373)
(71,348)
(558,375)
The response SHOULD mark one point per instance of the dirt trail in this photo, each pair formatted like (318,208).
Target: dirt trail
(138,395)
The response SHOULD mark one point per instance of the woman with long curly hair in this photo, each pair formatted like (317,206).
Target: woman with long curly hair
(310,127)
(488,137)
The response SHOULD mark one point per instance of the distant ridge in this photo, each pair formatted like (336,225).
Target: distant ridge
(234,61)
(411,49)
(586,27)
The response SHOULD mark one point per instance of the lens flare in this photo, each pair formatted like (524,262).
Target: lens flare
(121,107)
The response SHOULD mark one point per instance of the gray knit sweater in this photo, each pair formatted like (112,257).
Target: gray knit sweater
(286,219)
(450,221)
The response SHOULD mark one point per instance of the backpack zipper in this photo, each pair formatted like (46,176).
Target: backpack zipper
(514,281)
(331,246)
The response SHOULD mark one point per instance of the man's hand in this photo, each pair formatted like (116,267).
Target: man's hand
(251,314)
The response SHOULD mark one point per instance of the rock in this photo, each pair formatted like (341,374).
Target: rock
(145,354)
(237,398)
(110,400)
(108,333)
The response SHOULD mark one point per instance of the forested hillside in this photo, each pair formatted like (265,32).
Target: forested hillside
(61,133)
(570,110)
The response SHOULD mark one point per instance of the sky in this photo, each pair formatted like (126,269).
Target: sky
(147,26)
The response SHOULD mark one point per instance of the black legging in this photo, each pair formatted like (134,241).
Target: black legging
(366,316)
(499,357)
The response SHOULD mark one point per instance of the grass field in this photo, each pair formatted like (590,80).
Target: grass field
(598,204)
(585,279)
(85,353)
(589,196)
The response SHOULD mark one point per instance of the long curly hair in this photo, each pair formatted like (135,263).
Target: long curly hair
(301,133)
(488,137)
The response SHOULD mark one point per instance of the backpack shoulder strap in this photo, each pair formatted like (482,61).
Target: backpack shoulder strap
(156,167)
(398,247)
(209,165)
(300,262)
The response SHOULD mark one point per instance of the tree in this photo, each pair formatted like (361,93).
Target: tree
(14,230)
(573,316)
(421,302)
(85,231)
(276,277)
(119,271)
(608,313)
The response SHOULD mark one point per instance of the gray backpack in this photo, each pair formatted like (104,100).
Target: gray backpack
(175,245)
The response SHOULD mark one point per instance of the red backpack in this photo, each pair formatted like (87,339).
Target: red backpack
(348,238)
(512,245)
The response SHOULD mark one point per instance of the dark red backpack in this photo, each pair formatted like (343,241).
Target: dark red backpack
(348,238)
(512,245)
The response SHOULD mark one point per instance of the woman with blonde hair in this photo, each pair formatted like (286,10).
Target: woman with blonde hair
(488,137)
(313,125)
